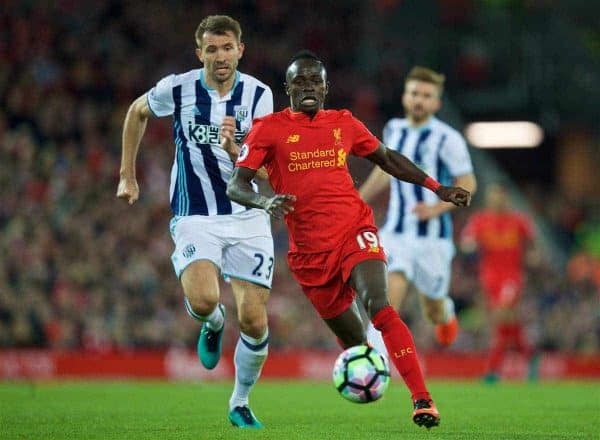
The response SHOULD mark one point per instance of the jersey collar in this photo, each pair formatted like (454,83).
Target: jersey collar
(211,90)
(427,126)
(303,117)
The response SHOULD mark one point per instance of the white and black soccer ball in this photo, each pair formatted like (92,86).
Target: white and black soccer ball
(361,374)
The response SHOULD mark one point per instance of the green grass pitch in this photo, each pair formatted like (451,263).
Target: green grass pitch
(294,410)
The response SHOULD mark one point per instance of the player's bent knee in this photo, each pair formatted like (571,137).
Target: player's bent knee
(200,286)
(202,304)
(254,327)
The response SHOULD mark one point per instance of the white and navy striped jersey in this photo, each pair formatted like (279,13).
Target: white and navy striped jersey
(441,152)
(201,168)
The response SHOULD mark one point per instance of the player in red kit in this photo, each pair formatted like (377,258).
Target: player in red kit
(334,252)
(501,237)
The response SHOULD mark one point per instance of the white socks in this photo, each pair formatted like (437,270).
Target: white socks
(250,355)
(214,319)
(448,309)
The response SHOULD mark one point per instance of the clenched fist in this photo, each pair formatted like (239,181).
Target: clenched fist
(128,190)
(453,194)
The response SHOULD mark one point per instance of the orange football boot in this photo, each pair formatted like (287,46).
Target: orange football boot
(446,333)
(425,413)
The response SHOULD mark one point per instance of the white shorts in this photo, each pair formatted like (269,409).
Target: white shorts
(425,262)
(240,244)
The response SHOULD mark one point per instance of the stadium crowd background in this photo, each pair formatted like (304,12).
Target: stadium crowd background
(81,269)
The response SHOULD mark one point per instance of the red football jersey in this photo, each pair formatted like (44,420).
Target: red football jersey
(307,158)
(501,238)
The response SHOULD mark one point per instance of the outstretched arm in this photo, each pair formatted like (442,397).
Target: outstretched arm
(239,189)
(133,130)
(400,167)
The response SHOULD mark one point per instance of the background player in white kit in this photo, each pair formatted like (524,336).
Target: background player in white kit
(212,109)
(417,234)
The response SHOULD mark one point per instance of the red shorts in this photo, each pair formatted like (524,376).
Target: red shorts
(323,276)
(503,290)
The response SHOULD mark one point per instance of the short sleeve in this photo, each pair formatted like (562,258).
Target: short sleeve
(364,142)
(455,155)
(264,106)
(256,149)
(160,97)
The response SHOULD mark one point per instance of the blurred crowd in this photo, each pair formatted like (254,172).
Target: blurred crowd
(81,269)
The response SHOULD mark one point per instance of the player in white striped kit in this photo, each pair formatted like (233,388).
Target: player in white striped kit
(212,109)
(417,234)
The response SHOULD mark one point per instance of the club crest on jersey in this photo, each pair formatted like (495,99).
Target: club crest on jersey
(337,135)
(240,112)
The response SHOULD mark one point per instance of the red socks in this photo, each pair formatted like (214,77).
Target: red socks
(401,348)
(498,349)
(507,335)
(521,343)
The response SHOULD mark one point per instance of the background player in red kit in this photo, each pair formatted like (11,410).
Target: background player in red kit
(334,248)
(501,237)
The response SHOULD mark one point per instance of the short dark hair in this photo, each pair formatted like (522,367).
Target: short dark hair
(305,54)
(219,25)
(419,73)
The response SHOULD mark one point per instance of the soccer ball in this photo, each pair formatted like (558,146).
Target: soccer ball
(361,374)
